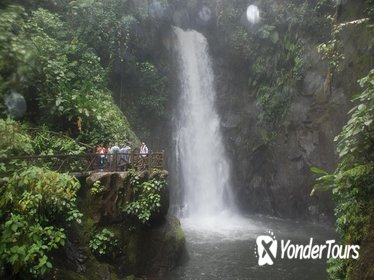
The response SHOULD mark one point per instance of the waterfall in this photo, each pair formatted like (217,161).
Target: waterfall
(202,163)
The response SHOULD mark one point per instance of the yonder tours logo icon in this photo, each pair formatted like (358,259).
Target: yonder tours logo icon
(266,249)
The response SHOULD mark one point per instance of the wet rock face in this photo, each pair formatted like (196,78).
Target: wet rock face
(154,251)
(154,248)
(141,249)
(106,206)
(273,176)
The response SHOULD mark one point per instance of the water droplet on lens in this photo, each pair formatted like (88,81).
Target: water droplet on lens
(156,10)
(253,14)
(16,105)
(205,14)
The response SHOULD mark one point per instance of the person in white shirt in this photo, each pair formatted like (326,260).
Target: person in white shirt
(143,150)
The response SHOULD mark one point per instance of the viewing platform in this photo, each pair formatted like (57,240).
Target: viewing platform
(84,164)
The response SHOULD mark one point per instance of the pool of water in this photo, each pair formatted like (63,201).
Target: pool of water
(228,252)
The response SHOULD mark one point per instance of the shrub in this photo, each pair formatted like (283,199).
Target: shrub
(146,198)
(352,183)
(35,205)
(103,243)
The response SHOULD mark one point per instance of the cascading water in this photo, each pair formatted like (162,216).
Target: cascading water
(203,166)
(221,243)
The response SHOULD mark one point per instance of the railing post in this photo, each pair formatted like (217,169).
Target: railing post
(163,159)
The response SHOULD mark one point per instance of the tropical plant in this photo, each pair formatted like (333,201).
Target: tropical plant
(14,141)
(331,51)
(270,52)
(59,75)
(35,207)
(47,143)
(103,243)
(146,197)
(97,188)
(352,183)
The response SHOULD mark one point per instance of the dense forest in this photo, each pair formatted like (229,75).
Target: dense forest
(298,88)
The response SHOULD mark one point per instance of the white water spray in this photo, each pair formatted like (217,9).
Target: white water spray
(201,158)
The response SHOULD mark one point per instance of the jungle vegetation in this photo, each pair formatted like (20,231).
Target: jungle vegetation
(99,62)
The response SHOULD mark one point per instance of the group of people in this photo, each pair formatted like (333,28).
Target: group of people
(118,155)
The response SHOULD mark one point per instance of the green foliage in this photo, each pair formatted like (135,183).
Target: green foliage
(305,18)
(46,61)
(275,78)
(146,198)
(355,141)
(352,183)
(11,51)
(102,121)
(154,85)
(35,206)
(13,139)
(123,36)
(337,268)
(103,243)
(273,103)
(369,11)
(272,50)
(97,188)
(272,53)
(146,103)
(103,25)
(19,140)
(331,51)
(46,143)
(24,246)
(295,19)
(13,142)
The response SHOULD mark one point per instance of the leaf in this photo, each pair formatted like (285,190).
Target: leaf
(14,227)
(274,37)
(361,107)
(317,170)
(58,101)
(369,122)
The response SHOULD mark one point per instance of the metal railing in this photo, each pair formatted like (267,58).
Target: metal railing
(93,162)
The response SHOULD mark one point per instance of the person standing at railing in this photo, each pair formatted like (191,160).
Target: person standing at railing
(101,151)
(125,156)
(143,150)
(113,154)
(109,154)
(143,157)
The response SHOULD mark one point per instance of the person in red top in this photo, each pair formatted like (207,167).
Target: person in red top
(101,151)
